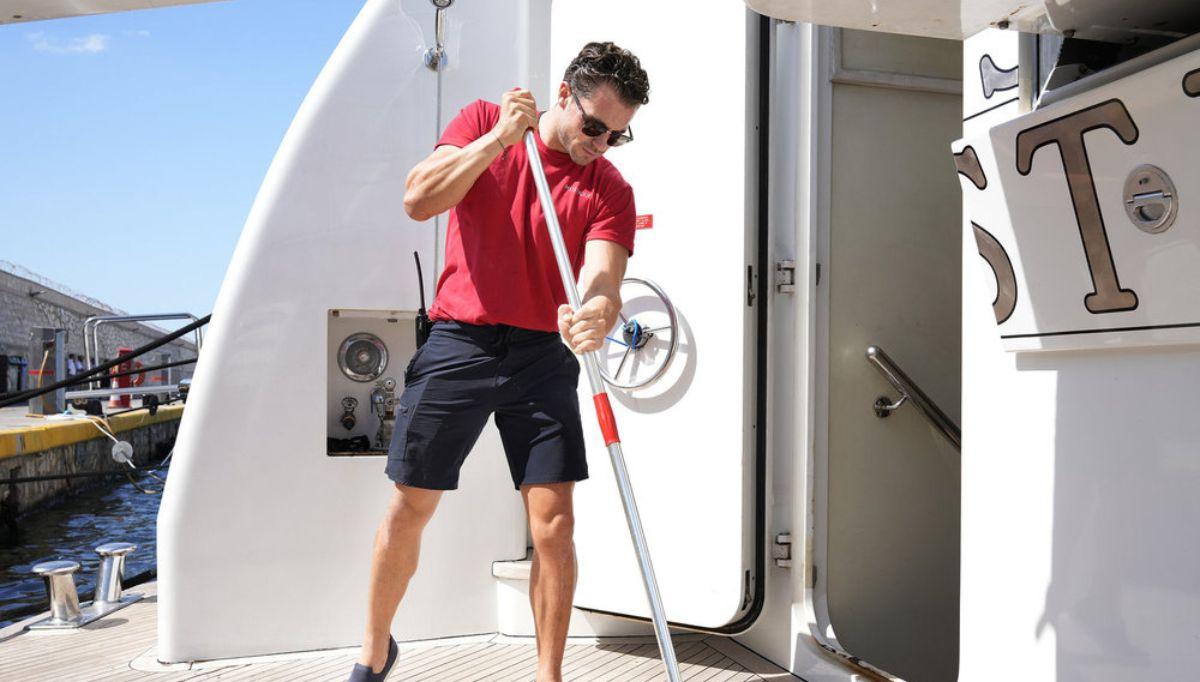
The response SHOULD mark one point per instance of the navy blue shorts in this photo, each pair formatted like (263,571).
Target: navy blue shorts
(466,373)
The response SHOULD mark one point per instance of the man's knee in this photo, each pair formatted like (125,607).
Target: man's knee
(413,505)
(551,515)
(552,531)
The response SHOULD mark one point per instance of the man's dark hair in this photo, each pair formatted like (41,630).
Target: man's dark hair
(600,63)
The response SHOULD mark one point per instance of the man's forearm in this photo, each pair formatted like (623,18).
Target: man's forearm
(600,280)
(441,181)
(606,296)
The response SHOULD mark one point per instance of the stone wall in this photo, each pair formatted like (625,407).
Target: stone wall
(150,443)
(28,300)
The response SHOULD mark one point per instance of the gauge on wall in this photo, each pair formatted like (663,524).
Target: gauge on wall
(641,347)
(362,357)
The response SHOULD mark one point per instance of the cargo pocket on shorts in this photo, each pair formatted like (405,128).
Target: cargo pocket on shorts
(406,407)
(412,363)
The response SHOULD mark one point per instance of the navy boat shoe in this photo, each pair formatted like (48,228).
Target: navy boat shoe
(363,673)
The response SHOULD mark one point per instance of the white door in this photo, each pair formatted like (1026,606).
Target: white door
(690,438)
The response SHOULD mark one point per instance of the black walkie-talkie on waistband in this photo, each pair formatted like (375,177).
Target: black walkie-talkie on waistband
(422,321)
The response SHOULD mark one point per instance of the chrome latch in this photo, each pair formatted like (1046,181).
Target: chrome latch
(781,551)
(1150,199)
(785,276)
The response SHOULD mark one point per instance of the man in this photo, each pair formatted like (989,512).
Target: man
(499,314)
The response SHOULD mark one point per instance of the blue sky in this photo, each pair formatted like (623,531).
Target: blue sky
(134,143)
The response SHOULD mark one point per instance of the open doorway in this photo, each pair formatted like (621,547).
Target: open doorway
(887,493)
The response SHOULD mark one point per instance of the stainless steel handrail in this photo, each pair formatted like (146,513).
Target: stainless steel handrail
(91,343)
(132,390)
(910,391)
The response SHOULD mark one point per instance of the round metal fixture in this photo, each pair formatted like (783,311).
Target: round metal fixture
(122,452)
(642,345)
(349,403)
(1150,199)
(362,357)
(442,4)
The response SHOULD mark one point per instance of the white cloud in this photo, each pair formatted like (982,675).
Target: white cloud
(89,44)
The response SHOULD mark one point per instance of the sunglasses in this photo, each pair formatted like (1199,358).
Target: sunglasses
(594,127)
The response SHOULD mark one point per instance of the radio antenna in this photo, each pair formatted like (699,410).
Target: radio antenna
(423,323)
(420,282)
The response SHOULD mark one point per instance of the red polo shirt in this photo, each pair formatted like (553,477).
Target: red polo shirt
(500,266)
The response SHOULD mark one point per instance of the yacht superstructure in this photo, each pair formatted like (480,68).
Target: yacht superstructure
(828,310)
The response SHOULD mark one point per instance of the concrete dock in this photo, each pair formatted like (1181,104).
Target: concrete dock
(54,445)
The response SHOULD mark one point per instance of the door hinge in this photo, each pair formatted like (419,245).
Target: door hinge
(785,276)
(781,551)
(750,285)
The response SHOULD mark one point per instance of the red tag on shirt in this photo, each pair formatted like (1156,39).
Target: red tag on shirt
(644,222)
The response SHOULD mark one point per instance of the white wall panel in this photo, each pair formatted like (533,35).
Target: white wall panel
(1079,470)
(264,540)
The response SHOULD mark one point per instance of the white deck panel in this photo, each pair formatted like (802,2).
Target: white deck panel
(121,647)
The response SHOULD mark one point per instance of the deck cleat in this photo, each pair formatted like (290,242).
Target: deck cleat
(109,595)
(64,599)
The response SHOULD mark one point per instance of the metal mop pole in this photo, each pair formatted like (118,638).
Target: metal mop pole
(608,423)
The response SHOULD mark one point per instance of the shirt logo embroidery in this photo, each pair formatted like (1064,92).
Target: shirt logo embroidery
(583,193)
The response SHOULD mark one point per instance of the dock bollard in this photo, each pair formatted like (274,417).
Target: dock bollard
(112,570)
(60,588)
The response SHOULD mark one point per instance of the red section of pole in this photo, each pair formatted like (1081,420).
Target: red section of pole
(608,421)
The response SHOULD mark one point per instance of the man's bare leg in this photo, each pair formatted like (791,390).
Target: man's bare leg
(393,562)
(552,575)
